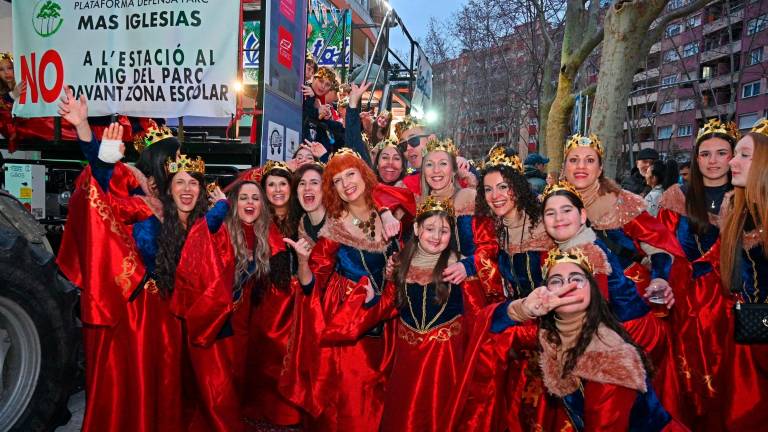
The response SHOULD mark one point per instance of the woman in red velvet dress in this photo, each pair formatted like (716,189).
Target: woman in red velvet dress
(342,383)
(648,252)
(272,308)
(745,277)
(214,282)
(692,212)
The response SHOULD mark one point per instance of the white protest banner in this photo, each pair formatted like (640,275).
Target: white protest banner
(152,58)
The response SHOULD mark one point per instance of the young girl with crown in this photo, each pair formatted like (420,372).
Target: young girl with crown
(432,327)
(588,361)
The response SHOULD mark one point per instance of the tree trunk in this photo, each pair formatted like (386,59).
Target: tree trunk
(558,121)
(626,28)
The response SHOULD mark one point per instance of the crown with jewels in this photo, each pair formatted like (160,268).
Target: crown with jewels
(445,145)
(309,57)
(406,123)
(344,151)
(591,141)
(272,165)
(761,127)
(560,185)
(433,204)
(6,56)
(326,73)
(186,164)
(557,256)
(498,157)
(151,136)
(715,126)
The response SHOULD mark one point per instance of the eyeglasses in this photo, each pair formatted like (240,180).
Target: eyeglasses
(414,141)
(557,282)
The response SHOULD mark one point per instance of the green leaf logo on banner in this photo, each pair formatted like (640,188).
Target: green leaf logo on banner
(47,19)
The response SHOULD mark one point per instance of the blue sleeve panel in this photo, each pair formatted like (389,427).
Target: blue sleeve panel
(101,170)
(216,215)
(353,134)
(661,265)
(501,320)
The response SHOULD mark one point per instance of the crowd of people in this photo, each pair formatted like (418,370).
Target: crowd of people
(378,280)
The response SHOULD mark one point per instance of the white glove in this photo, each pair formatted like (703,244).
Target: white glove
(109,151)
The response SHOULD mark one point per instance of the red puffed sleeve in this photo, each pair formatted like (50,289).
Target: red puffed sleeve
(607,406)
(204,281)
(668,218)
(647,229)
(322,261)
(393,198)
(353,318)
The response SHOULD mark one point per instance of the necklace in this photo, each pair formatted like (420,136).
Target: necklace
(368,227)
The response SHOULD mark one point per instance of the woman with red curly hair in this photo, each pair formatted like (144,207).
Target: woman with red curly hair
(343,373)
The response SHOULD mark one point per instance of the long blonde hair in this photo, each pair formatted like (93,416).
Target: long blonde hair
(752,201)
(261,252)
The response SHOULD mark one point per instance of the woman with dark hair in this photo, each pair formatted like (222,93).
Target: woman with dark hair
(272,310)
(380,128)
(214,280)
(504,195)
(308,189)
(648,252)
(659,177)
(389,164)
(744,272)
(692,211)
(342,384)
(588,360)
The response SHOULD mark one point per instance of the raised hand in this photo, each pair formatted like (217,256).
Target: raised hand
(216,194)
(541,300)
(356,93)
(301,246)
(75,111)
(307,91)
(317,148)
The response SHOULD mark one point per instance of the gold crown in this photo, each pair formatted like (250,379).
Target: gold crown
(590,141)
(272,165)
(151,136)
(715,126)
(387,142)
(498,157)
(445,145)
(344,151)
(575,256)
(434,204)
(561,185)
(6,56)
(183,163)
(761,127)
(406,123)
(344,102)
(309,57)
(326,73)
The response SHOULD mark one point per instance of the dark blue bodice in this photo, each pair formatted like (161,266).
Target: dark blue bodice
(624,300)
(754,275)
(467,245)
(145,235)
(521,272)
(349,264)
(647,415)
(695,245)
(420,308)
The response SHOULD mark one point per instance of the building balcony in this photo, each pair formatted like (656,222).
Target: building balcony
(650,73)
(638,124)
(716,110)
(721,80)
(722,22)
(643,99)
(721,51)
(655,48)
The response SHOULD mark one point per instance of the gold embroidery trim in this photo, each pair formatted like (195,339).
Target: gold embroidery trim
(129,262)
(442,333)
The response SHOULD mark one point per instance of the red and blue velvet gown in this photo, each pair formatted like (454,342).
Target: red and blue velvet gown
(132,342)
(648,331)
(745,371)
(624,231)
(271,324)
(705,334)
(215,312)
(524,402)
(600,404)
(341,384)
(429,346)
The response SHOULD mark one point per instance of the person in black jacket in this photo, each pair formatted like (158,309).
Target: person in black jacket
(635,181)
(535,166)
